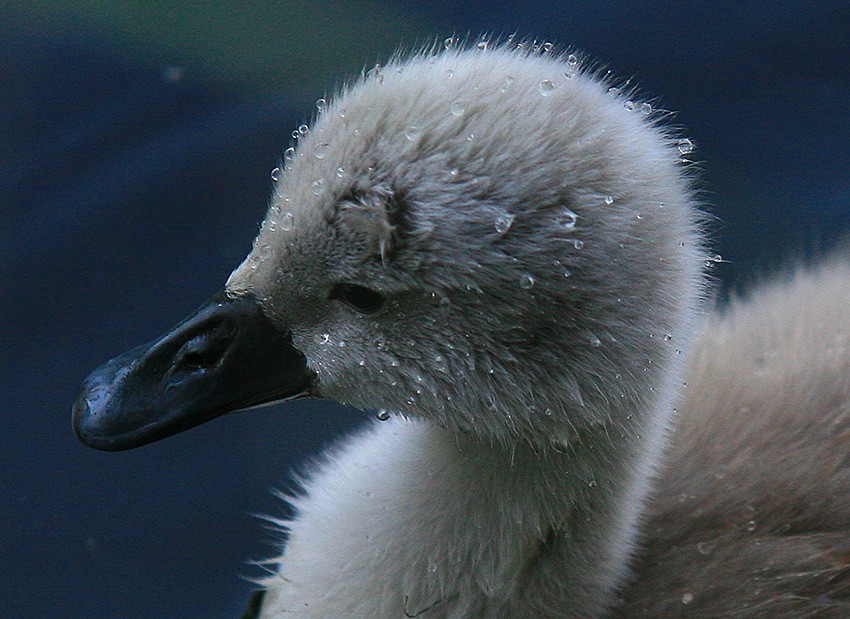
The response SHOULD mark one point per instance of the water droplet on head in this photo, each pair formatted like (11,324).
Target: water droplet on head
(303,129)
(286,222)
(377,72)
(382,415)
(454,172)
(482,45)
(629,105)
(324,338)
(295,135)
(448,42)
(595,341)
(547,47)
(458,108)
(321,105)
(667,337)
(614,91)
(317,185)
(503,223)
(322,150)
(560,447)
(645,109)
(578,244)
(411,133)
(275,173)
(289,154)
(591,483)
(572,60)
(546,86)
(450,73)
(705,548)
(567,219)
(340,172)
(687,598)
(526,282)
(609,199)
(685,146)
(432,567)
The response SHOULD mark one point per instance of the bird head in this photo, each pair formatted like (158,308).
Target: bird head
(487,240)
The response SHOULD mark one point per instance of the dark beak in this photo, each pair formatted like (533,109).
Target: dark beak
(226,357)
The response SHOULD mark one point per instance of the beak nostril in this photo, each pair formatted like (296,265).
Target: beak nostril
(194,361)
(206,350)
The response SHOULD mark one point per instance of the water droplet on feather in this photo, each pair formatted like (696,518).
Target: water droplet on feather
(503,223)
(286,222)
(567,219)
(546,86)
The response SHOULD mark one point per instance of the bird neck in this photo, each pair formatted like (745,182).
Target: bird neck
(408,517)
(524,525)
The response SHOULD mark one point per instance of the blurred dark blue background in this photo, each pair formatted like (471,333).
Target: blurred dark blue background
(136,142)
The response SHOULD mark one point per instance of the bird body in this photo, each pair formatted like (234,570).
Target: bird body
(505,258)
(749,516)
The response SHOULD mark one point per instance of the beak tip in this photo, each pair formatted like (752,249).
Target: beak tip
(99,416)
(85,422)
(80,412)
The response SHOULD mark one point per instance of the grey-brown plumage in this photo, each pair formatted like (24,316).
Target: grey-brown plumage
(751,515)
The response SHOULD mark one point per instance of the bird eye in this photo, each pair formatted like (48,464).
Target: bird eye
(362,299)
